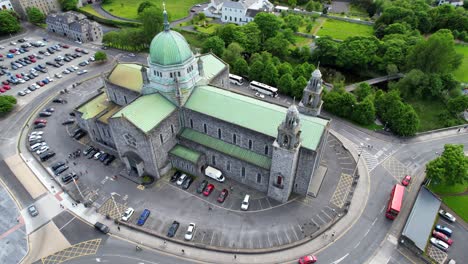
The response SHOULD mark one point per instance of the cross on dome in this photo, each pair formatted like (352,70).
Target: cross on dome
(166,20)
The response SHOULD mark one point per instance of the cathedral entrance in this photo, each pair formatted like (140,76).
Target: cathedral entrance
(134,163)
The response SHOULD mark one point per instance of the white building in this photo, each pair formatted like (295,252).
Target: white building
(452,2)
(238,12)
(5,5)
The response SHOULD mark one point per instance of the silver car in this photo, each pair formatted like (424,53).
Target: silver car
(33,210)
(448,216)
(439,244)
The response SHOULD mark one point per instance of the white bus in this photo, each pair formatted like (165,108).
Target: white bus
(263,88)
(235,79)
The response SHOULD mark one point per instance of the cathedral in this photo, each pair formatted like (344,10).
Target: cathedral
(178,111)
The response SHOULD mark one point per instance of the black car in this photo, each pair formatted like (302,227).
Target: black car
(91,154)
(57,165)
(80,135)
(40,125)
(36,141)
(103,157)
(58,100)
(45,114)
(68,121)
(173,229)
(109,160)
(187,182)
(60,170)
(102,227)
(88,150)
(69,177)
(76,132)
(175,176)
(202,186)
(46,155)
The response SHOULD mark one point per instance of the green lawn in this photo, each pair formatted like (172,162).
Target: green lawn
(128,9)
(461,74)
(442,189)
(194,40)
(301,41)
(208,30)
(341,30)
(90,9)
(458,204)
(303,28)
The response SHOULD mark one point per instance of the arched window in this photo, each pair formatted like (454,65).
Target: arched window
(279,180)
(243,172)
(213,159)
(191,123)
(285,139)
(205,128)
(234,139)
(250,144)
(172,129)
(259,178)
(266,149)
(219,133)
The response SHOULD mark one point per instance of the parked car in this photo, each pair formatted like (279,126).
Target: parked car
(209,188)
(222,196)
(98,155)
(69,177)
(102,227)
(80,135)
(103,157)
(175,176)
(40,125)
(88,150)
(190,231)
(143,217)
(442,237)
(38,121)
(45,114)
(444,230)
(109,160)
(127,214)
(173,229)
(439,244)
(307,260)
(68,121)
(181,179)
(32,210)
(186,184)
(58,100)
(46,156)
(60,170)
(202,186)
(448,216)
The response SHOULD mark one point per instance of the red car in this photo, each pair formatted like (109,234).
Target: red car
(5,82)
(19,75)
(33,60)
(65,46)
(6,87)
(1,56)
(78,50)
(307,260)
(40,83)
(406,181)
(2,90)
(40,121)
(12,50)
(208,189)
(222,196)
(442,237)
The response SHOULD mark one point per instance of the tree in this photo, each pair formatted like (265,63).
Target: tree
(240,67)
(277,45)
(68,5)
(284,68)
(326,51)
(293,22)
(364,112)
(152,20)
(407,122)
(298,88)
(270,74)
(256,70)
(8,23)
(35,15)
(214,44)
(100,56)
(313,6)
(143,5)
(450,168)
(269,24)
(458,104)
(436,55)
(232,53)
(363,91)
(7,102)
(286,83)
(357,52)
(230,33)
(251,43)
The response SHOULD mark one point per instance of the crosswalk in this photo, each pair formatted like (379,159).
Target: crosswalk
(373,157)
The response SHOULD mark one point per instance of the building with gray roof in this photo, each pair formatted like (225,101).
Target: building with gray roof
(238,12)
(74,26)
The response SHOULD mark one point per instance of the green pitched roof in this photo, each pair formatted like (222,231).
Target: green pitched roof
(169,48)
(226,148)
(127,75)
(211,65)
(185,153)
(94,106)
(251,113)
(147,111)
(111,110)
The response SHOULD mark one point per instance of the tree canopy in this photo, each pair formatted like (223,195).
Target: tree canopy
(100,56)
(152,19)
(214,44)
(8,23)
(450,168)
(35,15)
(68,5)
(7,102)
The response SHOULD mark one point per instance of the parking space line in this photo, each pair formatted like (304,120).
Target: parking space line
(67,223)
(318,216)
(325,213)
(315,223)
(279,241)
(269,242)
(287,236)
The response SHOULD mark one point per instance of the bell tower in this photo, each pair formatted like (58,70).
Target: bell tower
(285,156)
(312,94)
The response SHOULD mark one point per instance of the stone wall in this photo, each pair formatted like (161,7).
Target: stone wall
(119,95)
(259,141)
(222,79)
(105,134)
(305,167)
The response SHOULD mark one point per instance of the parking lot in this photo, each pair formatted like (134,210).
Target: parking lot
(33,63)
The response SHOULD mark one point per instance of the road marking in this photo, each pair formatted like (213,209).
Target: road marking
(315,223)
(294,231)
(357,245)
(318,215)
(375,220)
(367,232)
(279,242)
(323,211)
(383,208)
(67,223)
(340,259)
(211,240)
(287,236)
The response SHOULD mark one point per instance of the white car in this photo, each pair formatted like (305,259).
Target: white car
(12,43)
(181,179)
(42,150)
(81,72)
(36,85)
(448,216)
(98,155)
(190,231)
(127,214)
(439,243)
(37,133)
(74,67)
(58,76)
(257,94)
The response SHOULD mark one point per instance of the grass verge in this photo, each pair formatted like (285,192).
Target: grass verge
(443,189)
(90,9)
(341,30)
(461,74)
(458,205)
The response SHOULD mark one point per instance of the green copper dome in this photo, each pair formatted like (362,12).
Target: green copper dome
(169,48)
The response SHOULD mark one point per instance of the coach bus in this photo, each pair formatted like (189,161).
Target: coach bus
(235,79)
(395,201)
(264,89)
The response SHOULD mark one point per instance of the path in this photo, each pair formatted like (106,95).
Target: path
(101,11)
(352,87)
(317,28)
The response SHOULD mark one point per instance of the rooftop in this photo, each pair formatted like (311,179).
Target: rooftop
(146,111)
(111,110)
(127,75)
(212,66)
(185,153)
(251,113)
(418,227)
(95,106)
(226,148)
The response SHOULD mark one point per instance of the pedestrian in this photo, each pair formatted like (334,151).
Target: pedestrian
(235,256)
(209,208)
(74,163)
(164,242)
(66,161)
(118,227)
(183,251)
(459,130)
(86,171)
